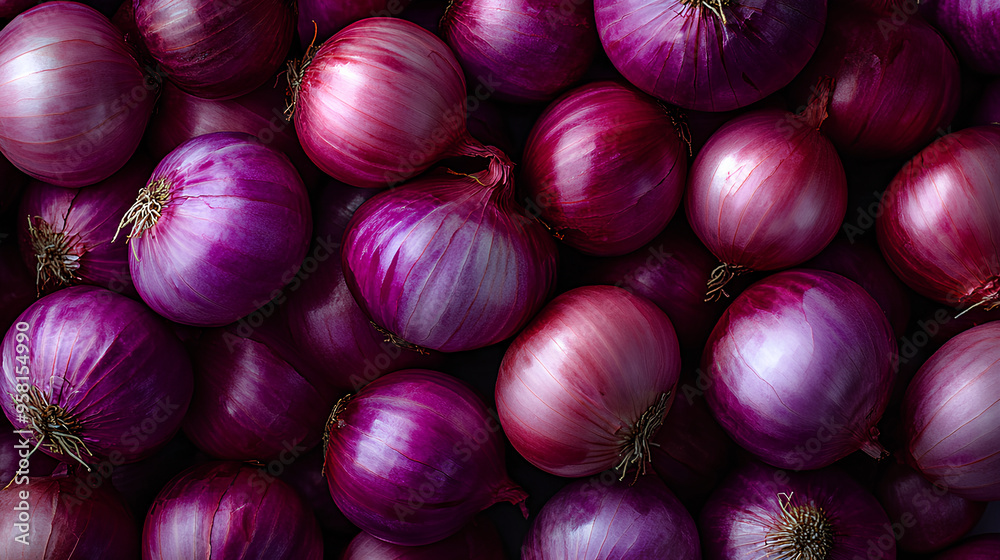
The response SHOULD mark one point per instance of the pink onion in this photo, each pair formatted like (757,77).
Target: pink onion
(533,49)
(18,283)
(979,547)
(380,102)
(323,18)
(227,510)
(477,541)
(970,26)
(220,49)
(801,368)
(449,262)
(988,108)
(204,248)
(586,385)
(44,519)
(896,84)
(597,520)
(606,167)
(710,55)
(761,512)
(413,456)
(767,192)
(65,234)
(74,100)
(939,218)
(950,414)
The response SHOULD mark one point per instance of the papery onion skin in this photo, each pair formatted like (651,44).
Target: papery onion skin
(373,68)
(939,216)
(107,361)
(606,167)
(87,220)
(226,509)
(988,108)
(217,50)
(598,345)
(64,523)
(414,456)
(82,101)
(950,413)
(448,262)
(323,18)
(739,520)
(595,519)
(685,55)
(801,366)
(979,547)
(477,541)
(970,26)
(528,50)
(896,84)
(197,265)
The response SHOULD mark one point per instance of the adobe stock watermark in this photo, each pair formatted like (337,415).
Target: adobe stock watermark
(22,510)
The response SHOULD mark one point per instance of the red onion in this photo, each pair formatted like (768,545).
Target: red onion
(988,108)
(585,386)
(374,69)
(710,55)
(760,512)
(216,50)
(532,48)
(477,541)
(45,520)
(950,413)
(65,234)
(970,25)
(896,82)
(940,215)
(413,456)
(18,283)
(81,99)
(191,261)
(767,191)
(93,374)
(226,510)
(318,20)
(801,368)
(604,520)
(606,167)
(449,262)
(979,547)
(929,516)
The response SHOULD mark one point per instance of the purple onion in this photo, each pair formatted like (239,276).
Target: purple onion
(979,547)
(73,100)
(970,26)
(18,284)
(94,375)
(527,50)
(222,224)
(477,541)
(318,20)
(801,366)
(228,510)
(694,54)
(603,519)
(761,512)
(988,108)
(414,456)
(59,525)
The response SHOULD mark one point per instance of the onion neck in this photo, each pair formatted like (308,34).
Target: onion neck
(678,119)
(147,209)
(802,532)
(872,447)
(55,427)
(334,422)
(721,276)
(398,341)
(817,110)
(635,449)
(296,72)
(717,7)
(56,262)
(512,493)
(986,296)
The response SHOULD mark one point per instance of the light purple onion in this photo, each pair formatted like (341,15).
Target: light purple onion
(477,541)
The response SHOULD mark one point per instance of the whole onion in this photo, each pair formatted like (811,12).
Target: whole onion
(94,374)
(380,102)
(606,167)
(988,108)
(47,518)
(221,225)
(413,456)
(767,192)
(217,50)
(979,547)
(65,234)
(970,26)
(761,512)
(227,510)
(18,283)
(930,516)
(597,519)
(449,262)
(896,82)
(82,101)
(586,385)
(318,20)
(939,217)
(801,366)
(710,55)
(477,541)
(529,49)
(950,413)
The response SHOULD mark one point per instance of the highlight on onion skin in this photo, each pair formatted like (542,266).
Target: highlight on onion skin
(950,414)
(970,26)
(801,365)
(979,547)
